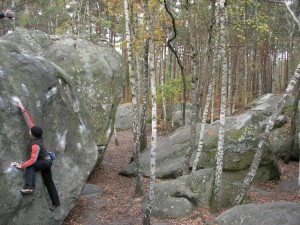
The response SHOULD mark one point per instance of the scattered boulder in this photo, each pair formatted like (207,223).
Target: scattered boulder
(274,213)
(124,117)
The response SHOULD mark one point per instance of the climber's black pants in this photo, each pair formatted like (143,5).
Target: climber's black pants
(45,167)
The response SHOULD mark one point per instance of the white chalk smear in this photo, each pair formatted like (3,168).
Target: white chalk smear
(62,140)
(51,92)
(11,170)
(15,100)
(38,106)
(1,73)
(79,146)
(82,128)
(25,89)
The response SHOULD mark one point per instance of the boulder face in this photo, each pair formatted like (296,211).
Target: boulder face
(124,117)
(275,213)
(95,69)
(53,101)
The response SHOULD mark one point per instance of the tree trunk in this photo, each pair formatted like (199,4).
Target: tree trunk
(293,127)
(146,219)
(203,123)
(164,106)
(195,80)
(144,113)
(255,163)
(224,70)
(136,124)
(116,137)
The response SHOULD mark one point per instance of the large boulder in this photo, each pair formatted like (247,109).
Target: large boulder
(242,135)
(95,69)
(274,213)
(51,97)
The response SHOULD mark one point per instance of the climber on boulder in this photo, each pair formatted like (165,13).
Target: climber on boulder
(39,161)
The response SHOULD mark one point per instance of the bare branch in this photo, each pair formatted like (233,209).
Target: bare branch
(292,13)
(174,36)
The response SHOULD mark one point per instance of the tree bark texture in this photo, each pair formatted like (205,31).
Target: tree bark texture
(147,214)
(220,152)
(134,93)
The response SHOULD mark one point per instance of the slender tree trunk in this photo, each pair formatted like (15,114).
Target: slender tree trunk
(255,163)
(144,113)
(116,137)
(246,78)
(219,166)
(136,124)
(202,130)
(229,91)
(146,220)
(213,99)
(164,106)
(195,80)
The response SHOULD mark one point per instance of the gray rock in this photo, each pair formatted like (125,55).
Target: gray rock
(95,69)
(91,190)
(275,213)
(50,95)
(242,135)
(124,117)
(177,198)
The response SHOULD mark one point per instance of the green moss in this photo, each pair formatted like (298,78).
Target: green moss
(246,200)
(288,109)
(234,135)
(212,154)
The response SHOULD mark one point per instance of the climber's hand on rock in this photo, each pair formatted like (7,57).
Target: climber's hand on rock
(17,165)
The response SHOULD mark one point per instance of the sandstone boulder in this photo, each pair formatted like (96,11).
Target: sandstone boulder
(274,213)
(52,98)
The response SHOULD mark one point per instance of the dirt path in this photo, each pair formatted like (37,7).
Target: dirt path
(116,206)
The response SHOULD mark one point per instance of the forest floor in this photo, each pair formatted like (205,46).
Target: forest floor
(116,205)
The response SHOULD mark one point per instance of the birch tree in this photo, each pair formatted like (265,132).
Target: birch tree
(195,80)
(144,113)
(136,124)
(146,220)
(208,59)
(164,105)
(202,129)
(219,166)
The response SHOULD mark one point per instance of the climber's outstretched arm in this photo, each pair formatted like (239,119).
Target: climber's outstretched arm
(25,115)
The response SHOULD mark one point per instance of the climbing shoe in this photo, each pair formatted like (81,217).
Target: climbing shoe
(53,207)
(27,191)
